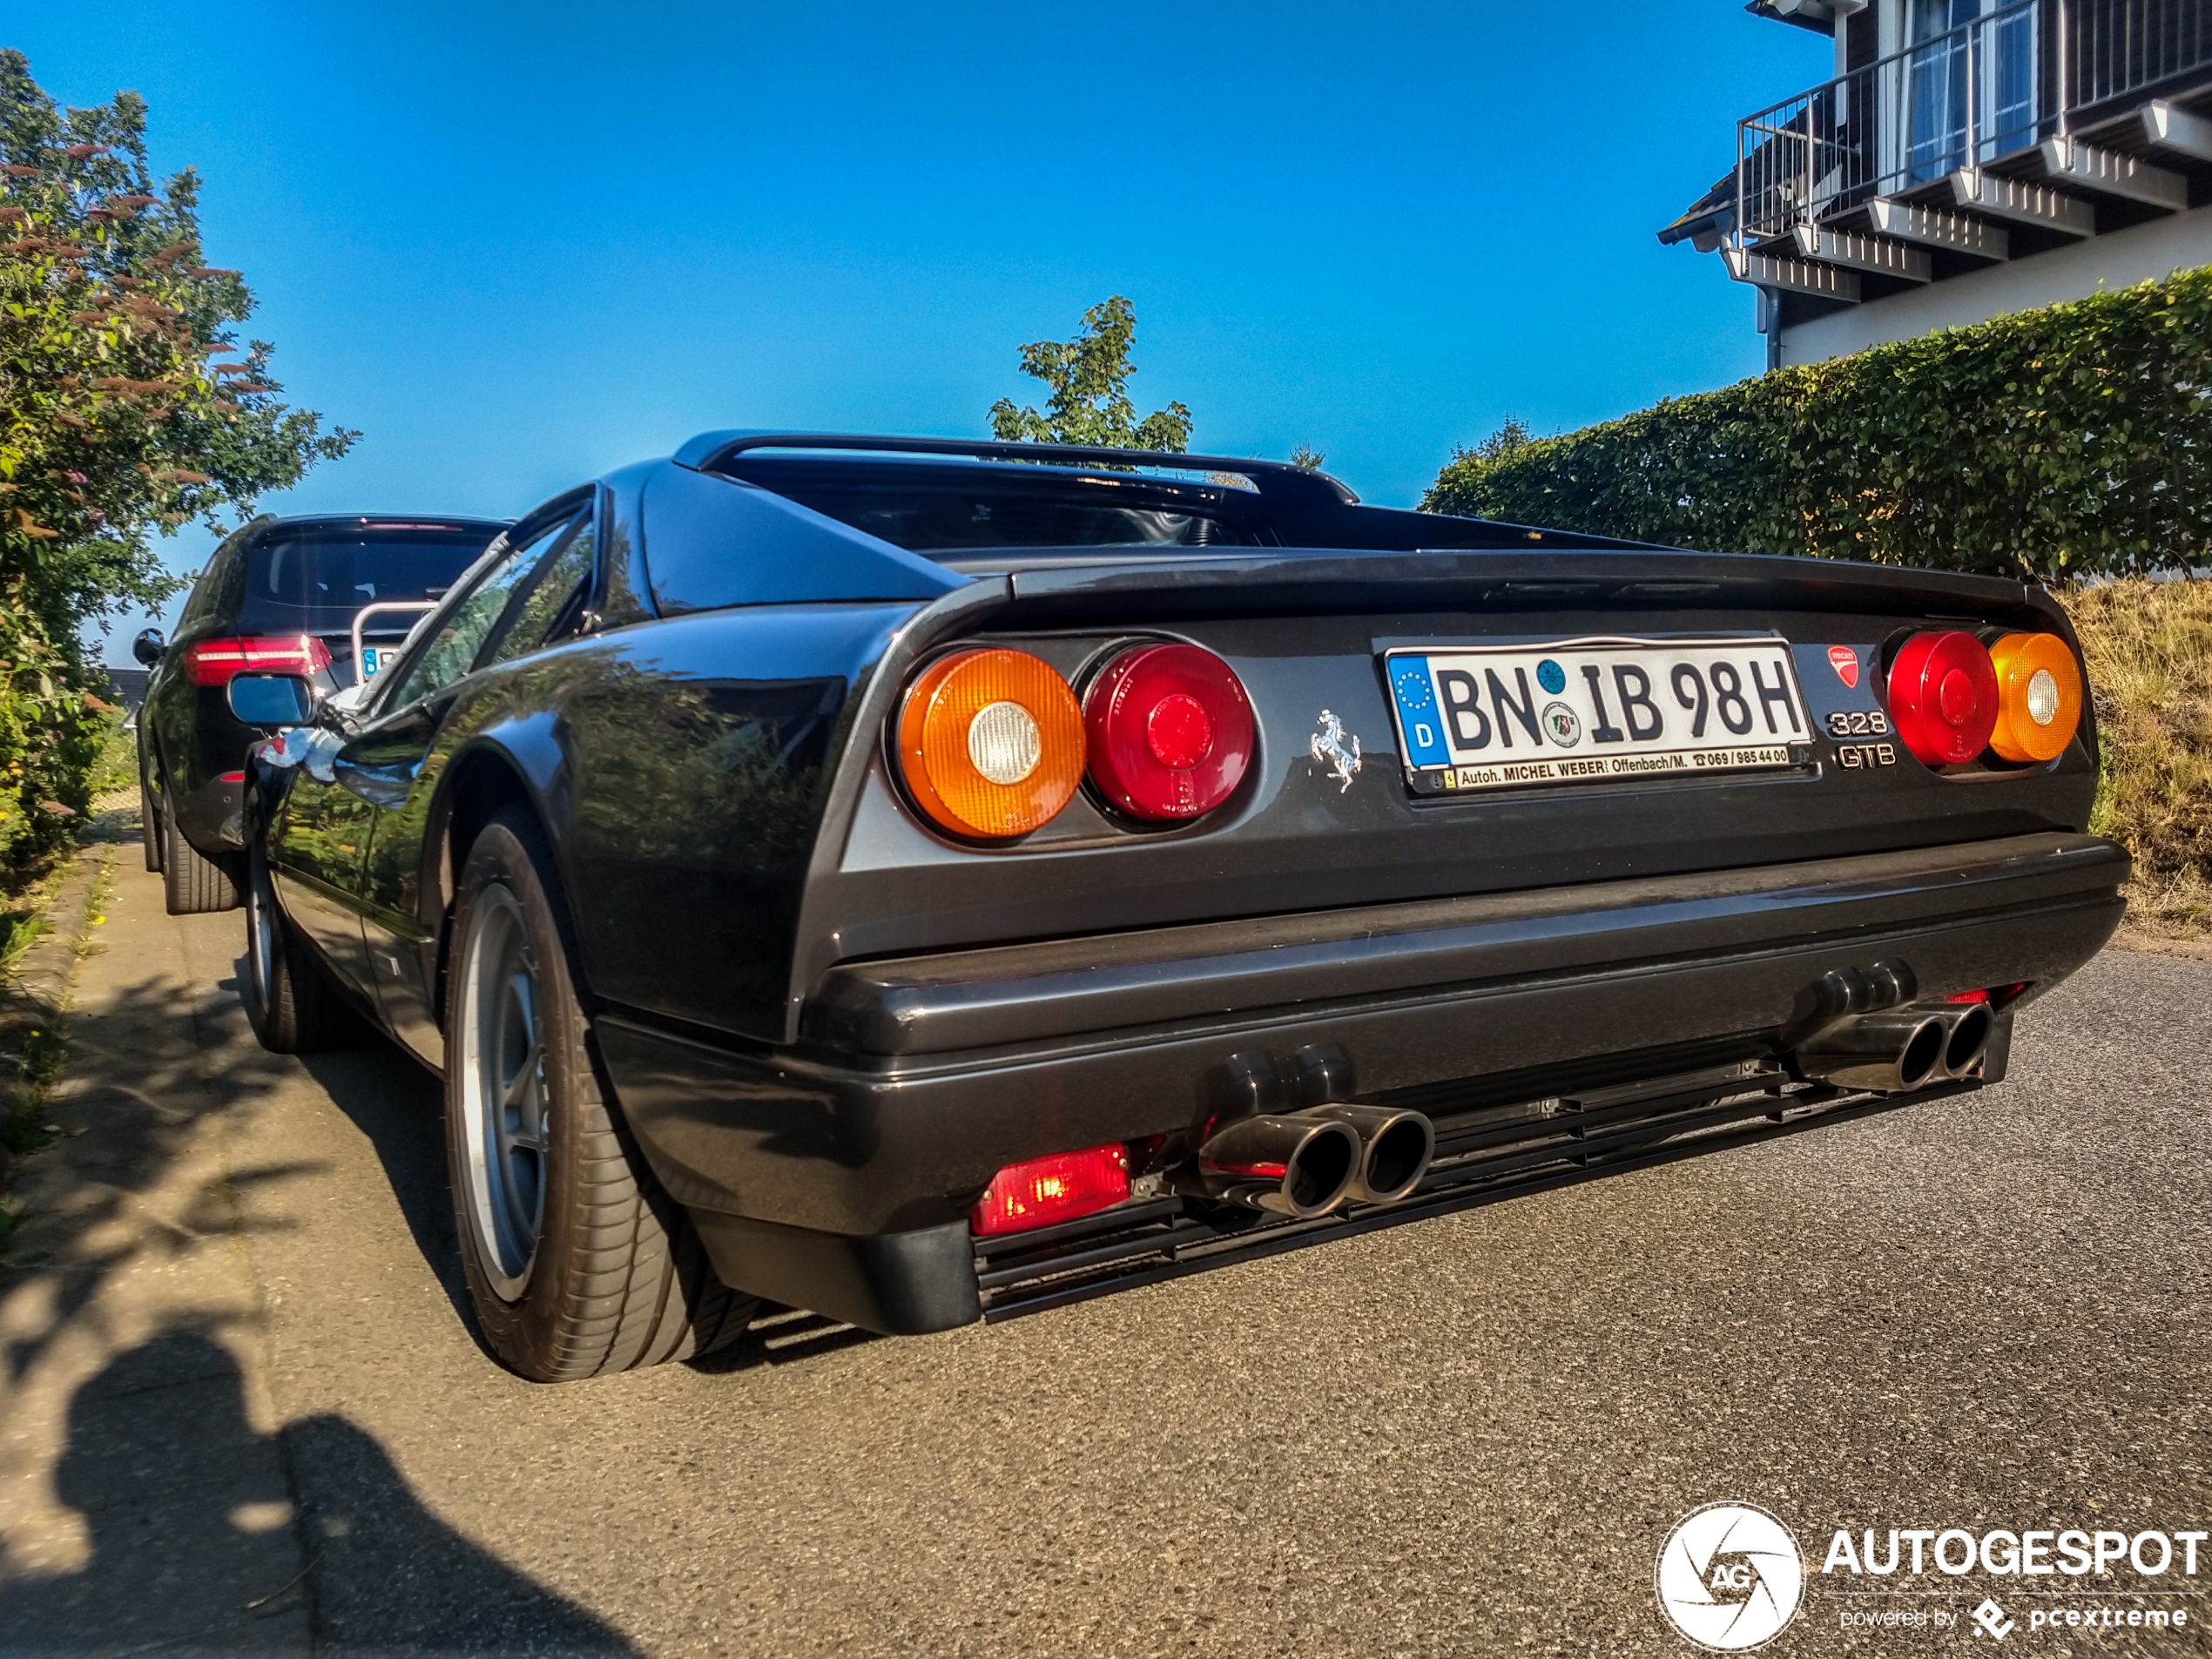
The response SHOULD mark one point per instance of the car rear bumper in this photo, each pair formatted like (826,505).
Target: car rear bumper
(919,1079)
(210,816)
(204,777)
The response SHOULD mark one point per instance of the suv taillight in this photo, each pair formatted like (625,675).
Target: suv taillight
(217,662)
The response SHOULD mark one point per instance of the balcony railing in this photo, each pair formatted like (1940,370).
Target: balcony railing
(1992,87)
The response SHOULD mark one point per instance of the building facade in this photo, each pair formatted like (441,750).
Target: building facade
(1969,159)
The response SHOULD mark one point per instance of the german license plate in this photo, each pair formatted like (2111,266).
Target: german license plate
(372,658)
(1575,711)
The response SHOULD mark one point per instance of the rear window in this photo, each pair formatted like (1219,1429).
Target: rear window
(313,580)
(947,509)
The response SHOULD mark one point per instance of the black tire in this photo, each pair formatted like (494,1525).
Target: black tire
(577,1262)
(193,884)
(289,1000)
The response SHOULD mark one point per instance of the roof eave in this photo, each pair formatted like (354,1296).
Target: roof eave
(1818,15)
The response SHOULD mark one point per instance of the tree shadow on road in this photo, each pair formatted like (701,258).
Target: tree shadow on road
(206,1533)
(119,1188)
(397,1106)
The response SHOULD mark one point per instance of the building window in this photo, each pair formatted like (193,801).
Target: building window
(1996,43)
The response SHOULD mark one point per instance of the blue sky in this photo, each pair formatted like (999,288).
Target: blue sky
(517,245)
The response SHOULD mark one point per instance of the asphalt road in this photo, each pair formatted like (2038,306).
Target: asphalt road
(238,1371)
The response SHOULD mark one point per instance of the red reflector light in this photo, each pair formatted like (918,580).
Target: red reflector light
(217,662)
(1943,697)
(1170,730)
(1996,995)
(1040,1191)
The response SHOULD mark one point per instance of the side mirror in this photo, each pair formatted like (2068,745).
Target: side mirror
(148,647)
(272,699)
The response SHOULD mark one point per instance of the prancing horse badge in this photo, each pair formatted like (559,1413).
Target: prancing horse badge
(1328,746)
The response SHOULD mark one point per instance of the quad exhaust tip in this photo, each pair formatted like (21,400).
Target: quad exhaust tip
(1968,1043)
(1305,1164)
(1898,1050)
(1296,1166)
(1395,1148)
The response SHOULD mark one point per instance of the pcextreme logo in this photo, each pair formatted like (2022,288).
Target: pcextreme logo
(1730,1577)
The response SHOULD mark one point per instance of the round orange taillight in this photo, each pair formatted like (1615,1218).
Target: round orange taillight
(991,742)
(2038,696)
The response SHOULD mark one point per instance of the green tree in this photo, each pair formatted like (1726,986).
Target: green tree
(1089,402)
(1512,436)
(114,424)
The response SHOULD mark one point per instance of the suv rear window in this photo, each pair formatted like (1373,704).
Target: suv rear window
(314,579)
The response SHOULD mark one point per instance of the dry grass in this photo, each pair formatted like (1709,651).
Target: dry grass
(2149,650)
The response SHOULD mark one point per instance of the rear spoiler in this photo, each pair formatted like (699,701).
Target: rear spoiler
(1566,571)
(1278,480)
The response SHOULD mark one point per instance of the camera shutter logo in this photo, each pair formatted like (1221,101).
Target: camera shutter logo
(1730,1577)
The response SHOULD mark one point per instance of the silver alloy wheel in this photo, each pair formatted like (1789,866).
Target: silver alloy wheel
(504,1102)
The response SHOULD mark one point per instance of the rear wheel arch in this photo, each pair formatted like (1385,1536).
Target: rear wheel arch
(480,783)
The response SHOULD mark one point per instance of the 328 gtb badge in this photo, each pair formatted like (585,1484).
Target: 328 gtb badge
(1861,723)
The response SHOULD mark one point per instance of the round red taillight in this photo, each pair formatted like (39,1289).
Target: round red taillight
(1169,731)
(1943,697)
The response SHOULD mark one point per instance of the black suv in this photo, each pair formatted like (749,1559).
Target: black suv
(273,626)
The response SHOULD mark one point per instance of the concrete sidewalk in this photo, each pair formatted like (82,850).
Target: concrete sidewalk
(154,1493)
(143,1495)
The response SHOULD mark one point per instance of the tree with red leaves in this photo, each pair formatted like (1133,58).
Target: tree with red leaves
(127,407)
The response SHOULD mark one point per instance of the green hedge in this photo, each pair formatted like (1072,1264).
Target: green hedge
(51,734)
(2069,442)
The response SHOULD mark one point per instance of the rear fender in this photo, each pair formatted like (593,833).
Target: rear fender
(680,768)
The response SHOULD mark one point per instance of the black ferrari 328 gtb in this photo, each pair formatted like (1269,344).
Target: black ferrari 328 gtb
(921,880)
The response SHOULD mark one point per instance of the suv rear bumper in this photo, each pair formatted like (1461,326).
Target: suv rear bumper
(919,1079)
(212,816)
